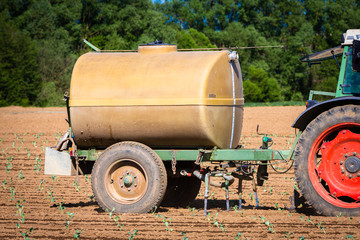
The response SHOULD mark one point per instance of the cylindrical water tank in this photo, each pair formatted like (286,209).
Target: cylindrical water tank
(157,96)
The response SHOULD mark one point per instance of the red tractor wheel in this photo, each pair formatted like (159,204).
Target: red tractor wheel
(327,162)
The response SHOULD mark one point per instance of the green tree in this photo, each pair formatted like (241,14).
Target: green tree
(19,78)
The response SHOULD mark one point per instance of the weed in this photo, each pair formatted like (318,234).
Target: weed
(132,234)
(348,236)
(34,144)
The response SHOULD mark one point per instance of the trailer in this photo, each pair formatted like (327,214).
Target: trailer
(143,124)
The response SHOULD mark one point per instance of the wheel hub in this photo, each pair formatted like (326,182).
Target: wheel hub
(340,164)
(126,182)
(352,164)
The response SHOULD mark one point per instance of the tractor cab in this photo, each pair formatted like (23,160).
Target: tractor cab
(349,77)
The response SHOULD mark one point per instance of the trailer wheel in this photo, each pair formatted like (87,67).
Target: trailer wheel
(181,191)
(327,162)
(129,177)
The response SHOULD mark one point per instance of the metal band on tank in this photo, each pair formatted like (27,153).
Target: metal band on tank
(233,117)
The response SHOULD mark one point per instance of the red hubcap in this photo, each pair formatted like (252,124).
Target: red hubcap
(334,165)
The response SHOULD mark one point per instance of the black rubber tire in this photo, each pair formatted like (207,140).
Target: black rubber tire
(181,191)
(336,115)
(136,154)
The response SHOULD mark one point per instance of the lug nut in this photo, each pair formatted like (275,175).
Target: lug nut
(346,155)
(135,185)
(342,162)
(121,186)
(129,189)
(135,176)
(127,172)
(354,154)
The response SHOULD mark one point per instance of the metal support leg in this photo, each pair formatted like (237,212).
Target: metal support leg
(206,195)
(227,195)
(240,192)
(255,191)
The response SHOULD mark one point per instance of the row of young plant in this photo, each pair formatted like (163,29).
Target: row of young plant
(48,190)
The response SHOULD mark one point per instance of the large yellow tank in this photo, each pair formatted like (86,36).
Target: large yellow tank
(157,96)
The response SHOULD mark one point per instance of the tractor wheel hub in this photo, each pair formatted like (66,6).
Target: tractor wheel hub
(352,164)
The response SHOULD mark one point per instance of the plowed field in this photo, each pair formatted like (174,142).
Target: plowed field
(44,207)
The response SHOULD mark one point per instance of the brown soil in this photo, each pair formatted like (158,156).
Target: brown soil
(24,132)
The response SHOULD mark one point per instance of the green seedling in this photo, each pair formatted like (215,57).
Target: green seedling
(348,236)
(166,221)
(239,236)
(37,166)
(288,234)
(321,227)
(77,234)
(87,179)
(34,144)
(115,219)
(40,187)
(53,177)
(132,234)
(3,184)
(215,222)
(270,226)
(13,144)
(19,148)
(12,193)
(50,194)
(61,205)
(184,236)
(68,219)
(28,152)
(21,175)
(26,234)
(20,211)
(76,185)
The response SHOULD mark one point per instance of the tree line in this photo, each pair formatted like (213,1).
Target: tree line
(40,40)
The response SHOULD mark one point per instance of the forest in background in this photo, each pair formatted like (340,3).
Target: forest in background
(40,40)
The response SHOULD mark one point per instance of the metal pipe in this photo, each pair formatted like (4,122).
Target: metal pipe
(200,176)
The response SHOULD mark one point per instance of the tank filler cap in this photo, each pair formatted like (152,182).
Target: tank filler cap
(156,47)
(233,56)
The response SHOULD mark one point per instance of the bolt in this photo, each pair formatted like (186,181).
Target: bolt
(121,177)
(320,172)
(135,176)
(323,147)
(135,185)
(334,193)
(342,162)
(129,189)
(121,186)
(127,172)
(358,174)
(350,176)
(346,155)
(354,154)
